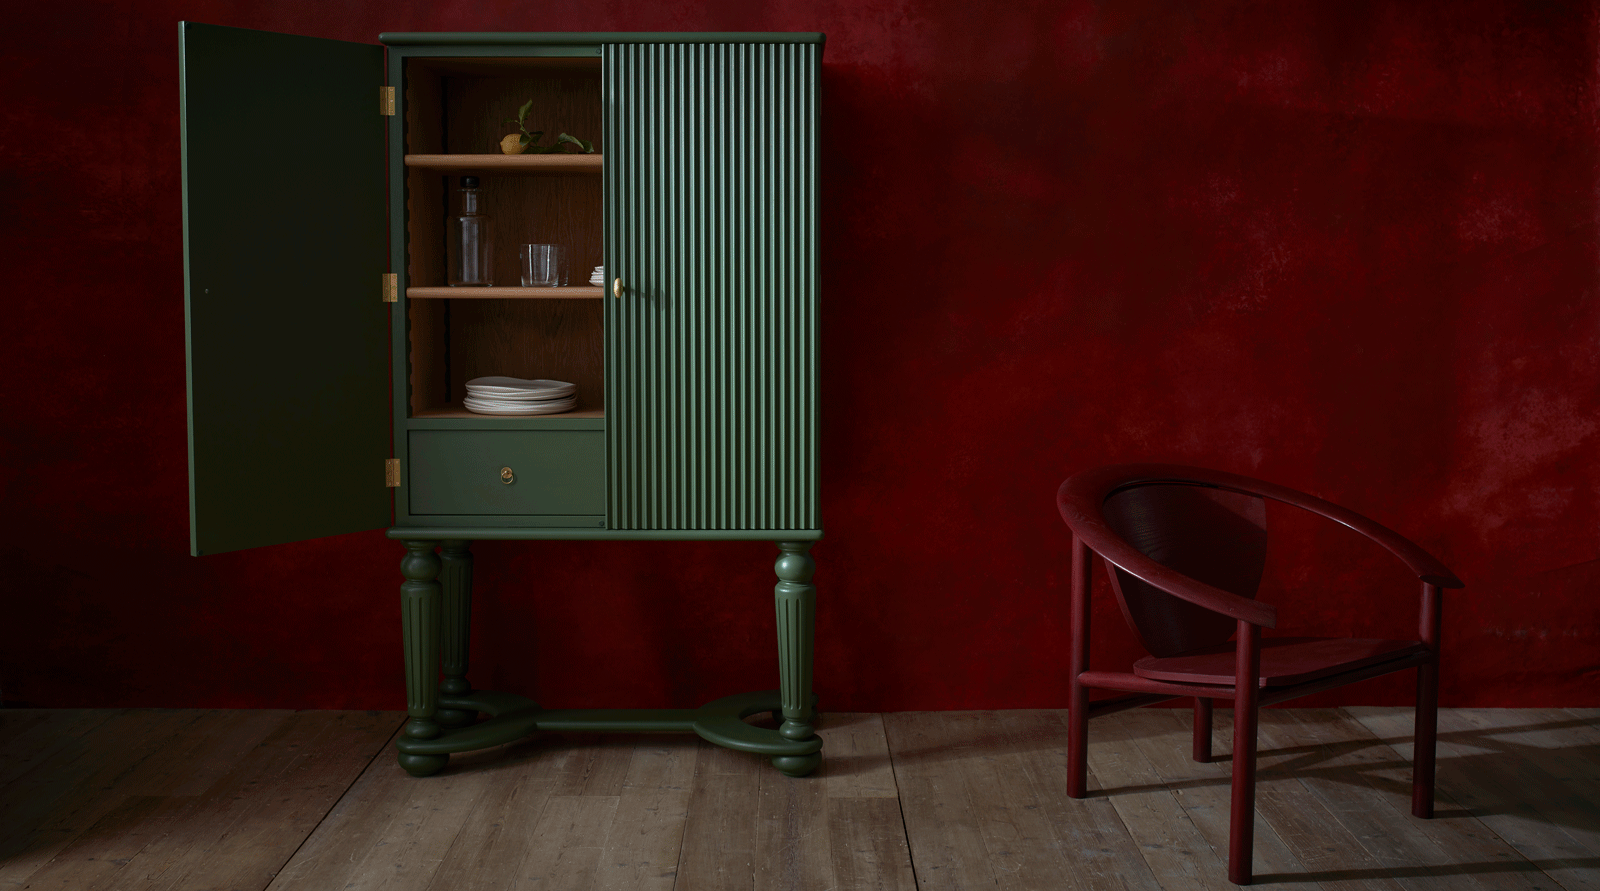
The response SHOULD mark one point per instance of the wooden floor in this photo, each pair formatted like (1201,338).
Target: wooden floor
(232,800)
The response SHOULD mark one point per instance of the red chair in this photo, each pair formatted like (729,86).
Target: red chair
(1188,547)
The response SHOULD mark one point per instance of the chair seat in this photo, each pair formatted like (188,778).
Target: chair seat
(1284,660)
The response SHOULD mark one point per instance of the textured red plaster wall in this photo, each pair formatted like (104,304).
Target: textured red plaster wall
(1349,247)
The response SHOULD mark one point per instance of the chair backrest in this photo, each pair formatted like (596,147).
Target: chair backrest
(1210,535)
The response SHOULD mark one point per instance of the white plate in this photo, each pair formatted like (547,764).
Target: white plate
(513,393)
(519,400)
(498,408)
(516,386)
(523,403)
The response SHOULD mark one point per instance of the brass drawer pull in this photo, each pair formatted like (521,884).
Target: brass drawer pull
(506,476)
(616,289)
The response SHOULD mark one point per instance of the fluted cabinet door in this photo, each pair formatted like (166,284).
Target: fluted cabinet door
(711,225)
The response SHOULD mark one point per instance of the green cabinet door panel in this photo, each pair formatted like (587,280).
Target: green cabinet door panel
(516,472)
(284,252)
(710,223)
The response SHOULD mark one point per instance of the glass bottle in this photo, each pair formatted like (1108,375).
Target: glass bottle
(471,249)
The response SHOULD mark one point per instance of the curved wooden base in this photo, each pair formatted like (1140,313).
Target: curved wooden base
(513,717)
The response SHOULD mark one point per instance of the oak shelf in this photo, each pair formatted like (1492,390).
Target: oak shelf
(510,165)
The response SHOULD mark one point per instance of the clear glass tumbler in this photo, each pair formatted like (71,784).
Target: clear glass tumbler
(543,266)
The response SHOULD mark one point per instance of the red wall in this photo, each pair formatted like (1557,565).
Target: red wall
(1346,246)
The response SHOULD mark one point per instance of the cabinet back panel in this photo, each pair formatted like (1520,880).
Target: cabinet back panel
(564,210)
(456,106)
(425,190)
(430,388)
(553,339)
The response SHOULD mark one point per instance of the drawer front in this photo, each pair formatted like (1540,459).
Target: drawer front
(560,472)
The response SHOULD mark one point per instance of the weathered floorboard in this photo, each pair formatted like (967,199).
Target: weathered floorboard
(159,800)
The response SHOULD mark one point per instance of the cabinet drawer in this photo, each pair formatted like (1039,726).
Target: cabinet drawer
(560,472)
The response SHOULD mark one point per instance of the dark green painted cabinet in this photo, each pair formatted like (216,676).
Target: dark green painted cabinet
(327,365)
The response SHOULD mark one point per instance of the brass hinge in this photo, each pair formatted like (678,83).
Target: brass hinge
(386,100)
(391,473)
(391,287)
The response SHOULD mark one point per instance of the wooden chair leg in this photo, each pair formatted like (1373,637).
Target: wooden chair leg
(1078,741)
(1202,730)
(1077,664)
(1425,741)
(1242,812)
(1425,736)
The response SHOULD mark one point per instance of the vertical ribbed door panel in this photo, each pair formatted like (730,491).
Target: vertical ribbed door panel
(711,223)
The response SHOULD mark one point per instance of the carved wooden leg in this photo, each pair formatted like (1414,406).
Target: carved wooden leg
(796,602)
(456,628)
(419,628)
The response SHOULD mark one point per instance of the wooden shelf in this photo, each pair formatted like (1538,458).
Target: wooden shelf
(586,292)
(472,415)
(510,165)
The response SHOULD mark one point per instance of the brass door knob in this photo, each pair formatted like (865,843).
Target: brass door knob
(616,288)
(506,476)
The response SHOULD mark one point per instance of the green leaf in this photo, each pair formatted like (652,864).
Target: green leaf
(523,139)
(586,145)
(523,111)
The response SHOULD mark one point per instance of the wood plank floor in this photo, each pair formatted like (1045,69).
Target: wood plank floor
(235,800)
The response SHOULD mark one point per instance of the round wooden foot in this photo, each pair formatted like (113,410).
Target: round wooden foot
(423,765)
(796,765)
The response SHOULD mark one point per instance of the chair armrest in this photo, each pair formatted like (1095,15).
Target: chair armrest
(1422,564)
(1092,530)
(1088,491)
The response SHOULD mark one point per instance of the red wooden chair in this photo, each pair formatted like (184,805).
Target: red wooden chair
(1188,547)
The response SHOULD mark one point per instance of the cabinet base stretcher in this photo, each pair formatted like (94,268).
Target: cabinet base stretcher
(436,608)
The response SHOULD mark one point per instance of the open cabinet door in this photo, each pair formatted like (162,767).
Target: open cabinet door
(285,242)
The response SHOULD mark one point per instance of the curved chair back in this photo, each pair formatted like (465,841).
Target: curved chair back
(1210,535)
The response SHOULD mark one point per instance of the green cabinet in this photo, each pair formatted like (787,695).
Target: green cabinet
(328,356)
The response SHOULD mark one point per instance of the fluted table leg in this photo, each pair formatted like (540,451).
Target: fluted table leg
(796,600)
(455,572)
(419,628)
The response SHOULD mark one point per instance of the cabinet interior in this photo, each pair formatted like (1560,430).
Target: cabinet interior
(456,107)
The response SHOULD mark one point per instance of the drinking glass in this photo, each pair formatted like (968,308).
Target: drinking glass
(543,266)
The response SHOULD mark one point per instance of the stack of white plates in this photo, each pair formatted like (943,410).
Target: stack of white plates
(515,396)
(598,277)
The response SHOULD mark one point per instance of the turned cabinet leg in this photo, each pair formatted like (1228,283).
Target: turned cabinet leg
(419,629)
(796,600)
(455,572)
